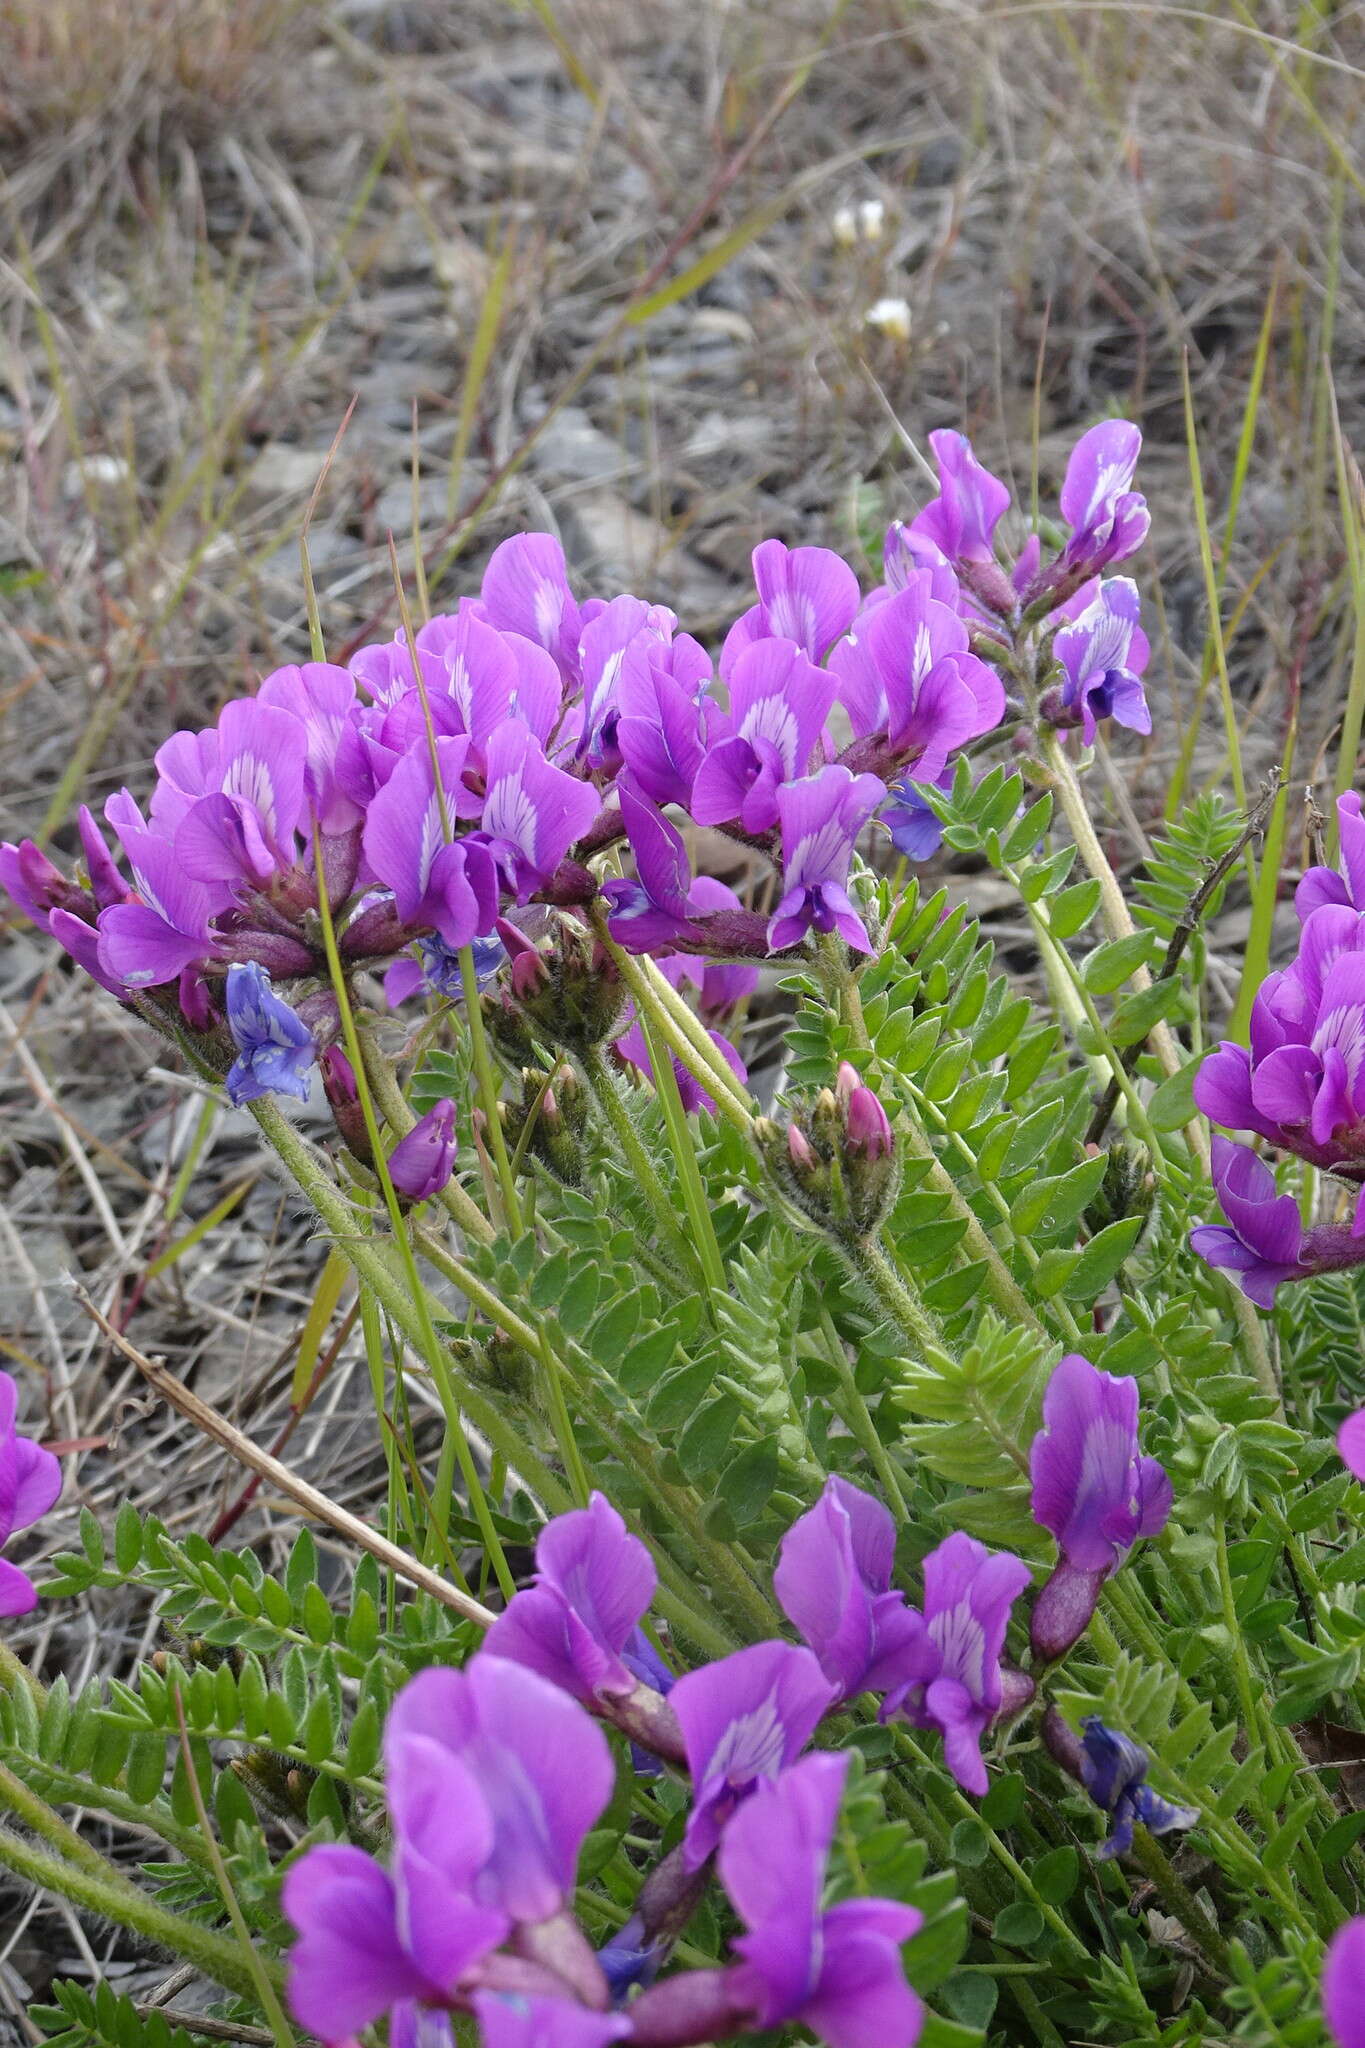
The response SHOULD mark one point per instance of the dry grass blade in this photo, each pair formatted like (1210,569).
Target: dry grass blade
(307,1497)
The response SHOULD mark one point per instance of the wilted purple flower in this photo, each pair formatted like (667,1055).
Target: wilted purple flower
(30,1481)
(1108,521)
(1102,653)
(594,1581)
(821,817)
(808,595)
(968,1594)
(1093,1491)
(779,702)
(743,1718)
(421,1163)
(275,1048)
(1343,1984)
(907,672)
(1114,1773)
(837,1971)
(1263,1241)
(664,907)
(508,2020)
(437,969)
(833,1582)
(1302,1082)
(1351,1443)
(959,525)
(915,827)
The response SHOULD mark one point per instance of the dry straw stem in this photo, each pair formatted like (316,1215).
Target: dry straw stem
(211,1424)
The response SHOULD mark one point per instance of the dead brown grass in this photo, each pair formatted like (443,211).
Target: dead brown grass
(72,61)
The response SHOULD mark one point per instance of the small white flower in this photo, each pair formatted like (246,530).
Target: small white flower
(861,223)
(890,317)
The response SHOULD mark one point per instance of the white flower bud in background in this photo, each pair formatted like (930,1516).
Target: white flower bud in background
(890,317)
(862,223)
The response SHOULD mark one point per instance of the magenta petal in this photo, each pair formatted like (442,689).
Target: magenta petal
(1343,1985)
(347,1967)
(862,1999)
(1351,1445)
(18,1594)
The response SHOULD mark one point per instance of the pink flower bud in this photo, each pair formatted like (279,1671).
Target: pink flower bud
(867,1124)
(802,1158)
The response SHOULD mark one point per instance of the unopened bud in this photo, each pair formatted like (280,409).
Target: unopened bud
(422,1162)
(338,1085)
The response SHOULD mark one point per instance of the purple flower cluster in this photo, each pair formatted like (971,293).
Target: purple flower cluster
(496,1773)
(30,1481)
(1300,1085)
(432,792)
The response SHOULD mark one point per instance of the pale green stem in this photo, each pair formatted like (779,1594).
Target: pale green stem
(219,1959)
(22,1801)
(607,1096)
(884,1283)
(859,1421)
(685,1158)
(488,1090)
(265,1990)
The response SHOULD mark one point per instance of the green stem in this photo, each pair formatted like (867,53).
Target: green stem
(1181,1902)
(462,1211)
(607,1096)
(218,1958)
(685,1158)
(488,1089)
(24,1803)
(855,1414)
(890,1292)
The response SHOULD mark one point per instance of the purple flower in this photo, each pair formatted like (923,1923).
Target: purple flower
(436,880)
(30,1481)
(493,676)
(1343,1984)
(1108,521)
(1263,1241)
(1114,1773)
(908,673)
(1092,1490)
(836,1970)
(821,817)
(808,595)
(968,1594)
(1338,885)
(833,1582)
(421,1163)
(1102,653)
(1302,1082)
(743,1719)
(321,697)
(508,2020)
(165,927)
(1351,1443)
(532,811)
(664,906)
(526,590)
(543,1768)
(665,721)
(275,1048)
(958,525)
(594,1581)
(779,702)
